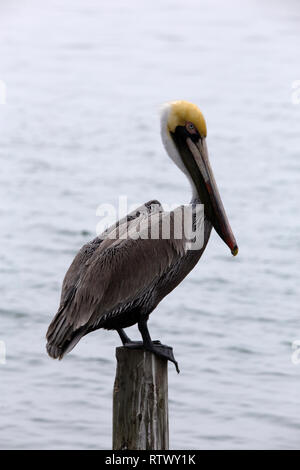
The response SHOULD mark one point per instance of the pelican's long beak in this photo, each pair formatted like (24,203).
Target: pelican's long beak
(211,198)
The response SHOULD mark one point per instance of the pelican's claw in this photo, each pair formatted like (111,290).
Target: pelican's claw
(161,350)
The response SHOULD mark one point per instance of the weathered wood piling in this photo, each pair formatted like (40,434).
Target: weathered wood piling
(140,401)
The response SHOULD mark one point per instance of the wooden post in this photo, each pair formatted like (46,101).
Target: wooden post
(140,401)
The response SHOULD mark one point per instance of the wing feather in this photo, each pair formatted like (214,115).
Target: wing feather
(74,296)
(120,272)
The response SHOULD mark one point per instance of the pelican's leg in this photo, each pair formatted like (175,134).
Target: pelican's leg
(128,342)
(123,336)
(155,346)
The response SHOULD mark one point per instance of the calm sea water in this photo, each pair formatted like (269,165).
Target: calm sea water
(85,80)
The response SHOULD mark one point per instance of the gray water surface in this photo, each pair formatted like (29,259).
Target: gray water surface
(85,80)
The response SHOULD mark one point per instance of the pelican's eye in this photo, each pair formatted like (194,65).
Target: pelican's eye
(190,128)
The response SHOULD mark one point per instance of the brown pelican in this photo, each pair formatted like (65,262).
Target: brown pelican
(114,281)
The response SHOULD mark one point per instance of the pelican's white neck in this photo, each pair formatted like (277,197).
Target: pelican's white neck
(171,148)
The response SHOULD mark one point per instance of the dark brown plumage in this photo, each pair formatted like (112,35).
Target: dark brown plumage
(112,280)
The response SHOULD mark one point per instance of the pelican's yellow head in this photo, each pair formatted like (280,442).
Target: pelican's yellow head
(183,112)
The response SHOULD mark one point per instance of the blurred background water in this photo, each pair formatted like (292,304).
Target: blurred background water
(85,80)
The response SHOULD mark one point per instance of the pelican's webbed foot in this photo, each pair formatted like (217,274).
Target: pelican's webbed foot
(140,344)
(161,350)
